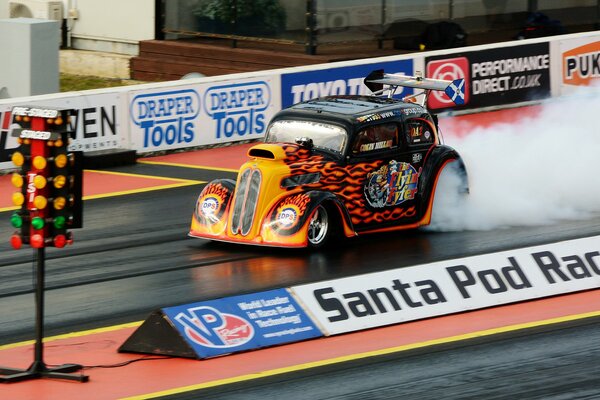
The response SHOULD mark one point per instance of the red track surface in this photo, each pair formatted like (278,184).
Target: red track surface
(230,157)
(146,377)
(98,183)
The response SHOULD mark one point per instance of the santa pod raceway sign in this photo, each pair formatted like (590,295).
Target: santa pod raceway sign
(452,286)
(493,77)
(239,323)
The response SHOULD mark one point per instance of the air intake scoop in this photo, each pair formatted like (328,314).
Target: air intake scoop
(267,151)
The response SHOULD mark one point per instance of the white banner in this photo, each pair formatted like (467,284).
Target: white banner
(446,287)
(580,63)
(203,113)
(7,142)
(99,122)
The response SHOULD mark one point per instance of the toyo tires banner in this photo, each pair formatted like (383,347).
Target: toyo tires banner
(302,86)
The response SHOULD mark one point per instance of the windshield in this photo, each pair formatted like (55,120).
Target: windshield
(327,136)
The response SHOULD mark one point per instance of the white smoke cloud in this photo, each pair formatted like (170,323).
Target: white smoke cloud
(530,170)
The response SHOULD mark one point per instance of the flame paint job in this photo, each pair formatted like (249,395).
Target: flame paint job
(363,193)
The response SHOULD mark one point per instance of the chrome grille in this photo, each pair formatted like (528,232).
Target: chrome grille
(246,197)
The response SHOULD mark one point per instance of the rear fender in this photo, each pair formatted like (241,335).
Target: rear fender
(436,161)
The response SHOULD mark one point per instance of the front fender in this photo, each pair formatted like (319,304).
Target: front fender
(287,221)
(212,209)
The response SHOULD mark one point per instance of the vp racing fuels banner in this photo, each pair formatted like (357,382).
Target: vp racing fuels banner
(238,323)
(446,287)
(493,77)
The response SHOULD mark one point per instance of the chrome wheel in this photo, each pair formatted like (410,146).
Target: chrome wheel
(318,227)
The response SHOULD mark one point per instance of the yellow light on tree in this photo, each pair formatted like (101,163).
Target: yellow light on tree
(59,181)
(18,159)
(59,203)
(39,162)
(40,202)
(18,199)
(60,160)
(39,182)
(17,180)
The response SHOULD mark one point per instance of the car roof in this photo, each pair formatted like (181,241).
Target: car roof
(348,109)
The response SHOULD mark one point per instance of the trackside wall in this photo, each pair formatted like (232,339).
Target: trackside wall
(211,111)
(239,323)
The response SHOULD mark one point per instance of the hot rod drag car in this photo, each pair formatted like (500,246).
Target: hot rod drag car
(335,166)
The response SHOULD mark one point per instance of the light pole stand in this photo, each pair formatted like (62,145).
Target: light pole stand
(38,369)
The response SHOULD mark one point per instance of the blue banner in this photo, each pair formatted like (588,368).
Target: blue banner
(239,323)
(302,86)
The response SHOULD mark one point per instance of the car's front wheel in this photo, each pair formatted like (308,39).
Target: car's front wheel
(319,229)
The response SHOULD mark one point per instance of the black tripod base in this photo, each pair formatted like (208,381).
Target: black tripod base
(40,370)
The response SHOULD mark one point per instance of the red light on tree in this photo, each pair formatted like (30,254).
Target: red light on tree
(60,241)
(36,241)
(16,242)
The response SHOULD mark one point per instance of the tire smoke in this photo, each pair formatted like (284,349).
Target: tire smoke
(527,171)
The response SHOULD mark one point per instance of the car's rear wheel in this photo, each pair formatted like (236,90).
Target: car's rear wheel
(319,228)
(451,195)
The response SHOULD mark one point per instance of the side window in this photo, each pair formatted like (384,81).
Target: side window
(419,131)
(376,137)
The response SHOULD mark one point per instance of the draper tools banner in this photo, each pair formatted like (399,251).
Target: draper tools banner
(207,113)
(447,287)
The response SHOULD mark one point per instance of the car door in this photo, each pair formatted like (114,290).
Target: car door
(390,180)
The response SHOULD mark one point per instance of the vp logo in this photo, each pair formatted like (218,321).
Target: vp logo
(209,327)
(166,118)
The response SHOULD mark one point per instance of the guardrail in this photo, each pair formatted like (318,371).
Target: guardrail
(239,323)
(211,111)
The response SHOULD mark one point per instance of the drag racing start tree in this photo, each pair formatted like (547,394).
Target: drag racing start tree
(49,201)
(49,180)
